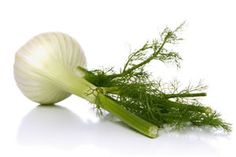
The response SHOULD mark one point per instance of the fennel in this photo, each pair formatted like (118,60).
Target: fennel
(51,66)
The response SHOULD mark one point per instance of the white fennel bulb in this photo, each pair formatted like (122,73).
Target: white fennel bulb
(45,67)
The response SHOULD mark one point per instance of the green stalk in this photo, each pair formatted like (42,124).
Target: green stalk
(146,61)
(82,88)
(131,119)
(184,95)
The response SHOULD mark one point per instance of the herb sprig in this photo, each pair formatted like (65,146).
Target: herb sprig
(134,89)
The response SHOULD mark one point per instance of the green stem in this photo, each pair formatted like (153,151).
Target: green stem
(131,119)
(149,59)
(115,90)
(111,90)
(81,87)
(184,95)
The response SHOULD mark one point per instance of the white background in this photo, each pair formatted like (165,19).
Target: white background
(107,30)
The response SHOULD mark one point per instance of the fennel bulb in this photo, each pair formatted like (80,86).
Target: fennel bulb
(45,66)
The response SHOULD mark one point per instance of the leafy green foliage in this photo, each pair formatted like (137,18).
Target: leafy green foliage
(156,102)
(147,102)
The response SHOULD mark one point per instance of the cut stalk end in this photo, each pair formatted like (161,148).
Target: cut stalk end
(153,132)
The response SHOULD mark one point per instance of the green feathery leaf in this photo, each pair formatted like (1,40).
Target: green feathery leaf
(134,89)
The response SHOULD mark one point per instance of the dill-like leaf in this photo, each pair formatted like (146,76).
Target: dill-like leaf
(134,89)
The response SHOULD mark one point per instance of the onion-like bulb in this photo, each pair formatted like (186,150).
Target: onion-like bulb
(44,65)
